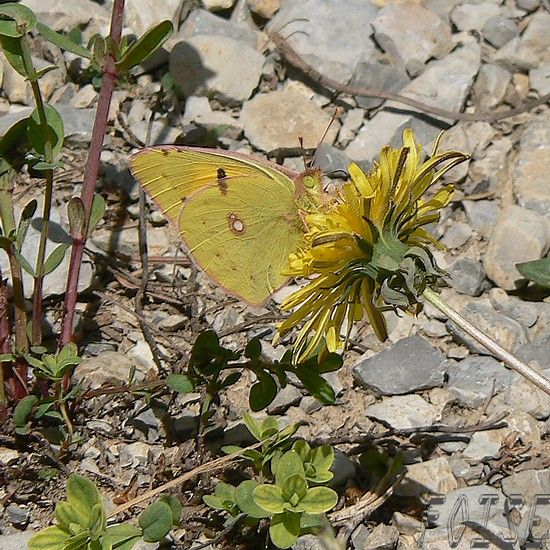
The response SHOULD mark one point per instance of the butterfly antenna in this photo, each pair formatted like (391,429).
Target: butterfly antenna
(303,152)
(337,113)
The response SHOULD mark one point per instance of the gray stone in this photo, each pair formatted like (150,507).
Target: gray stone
(470,17)
(329,159)
(507,332)
(529,5)
(404,411)
(485,445)
(173,322)
(378,76)
(456,235)
(55,282)
(536,35)
(481,215)
(264,8)
(381,537)
(83,97)
(207,65)
(472,380)
(309,404)
(490,86)
(217,5)
(308,542)
(431,476)
(17,515)
(514,225)
(353,120)
(111,367)
(490,170)
(161,131)
(287,396)
(530,173)
(18,89)
(275,119)
(530,490)
(513,307)
(536,351)
(16,541)
(467,276)
(515,56)
(323,40)
(139,16)
(466,503)
(202,22)
(82,13)
(522,396)
(411,364)
(343,469)
(434,328)
(445,83)
(411,34)
(539,78)
(406,525)
(498,30)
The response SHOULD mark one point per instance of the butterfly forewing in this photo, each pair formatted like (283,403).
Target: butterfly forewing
(238,217)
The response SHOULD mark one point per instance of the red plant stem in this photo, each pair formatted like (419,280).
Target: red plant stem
(108,84)
(4,337)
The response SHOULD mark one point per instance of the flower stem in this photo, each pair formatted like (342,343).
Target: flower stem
(513,362)
(36,334)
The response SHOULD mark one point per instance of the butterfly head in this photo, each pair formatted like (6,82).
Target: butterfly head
(309,188)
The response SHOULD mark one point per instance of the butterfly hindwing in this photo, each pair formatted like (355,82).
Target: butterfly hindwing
(242,235)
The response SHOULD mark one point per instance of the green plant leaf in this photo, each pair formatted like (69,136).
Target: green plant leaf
(76,214)
(253,426)
(155,521)
(318,500)
(55,258)
(55,130)
(289,464)
(145,46)
(11,45)
(244,497)
(316,385)
(122,536)
(63,41)
(97,522)
(24,17)
(98,211)
(375,462)
(51,538)
(330,362)
(284,529)
(537,271)
(175,506)
(25,222)
(22,412)
(253,348)
(269,498)
(294,489)
(322,458)
(23,262)
(302,448)
(310,522)
(180,383)
(82,495)
(263,392)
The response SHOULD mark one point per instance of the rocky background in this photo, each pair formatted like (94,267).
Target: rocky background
(472,56)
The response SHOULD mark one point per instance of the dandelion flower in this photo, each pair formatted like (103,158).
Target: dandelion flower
(367,250)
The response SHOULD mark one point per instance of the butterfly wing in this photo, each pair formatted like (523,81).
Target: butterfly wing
(238,217)
(242,235)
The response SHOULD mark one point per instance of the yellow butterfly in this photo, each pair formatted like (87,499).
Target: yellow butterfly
(239,216)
